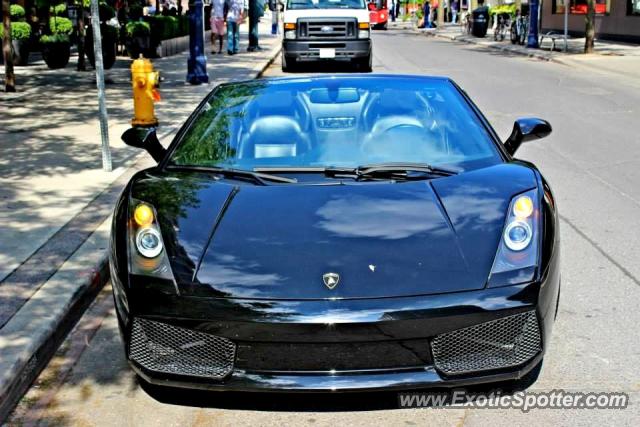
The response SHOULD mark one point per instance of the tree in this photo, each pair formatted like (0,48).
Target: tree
(590,30)
(9,76)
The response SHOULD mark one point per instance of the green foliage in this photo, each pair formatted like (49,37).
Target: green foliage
(138,29)
(167,27)
(505,8)
(60,25)
(58,9)
(17,12)
(55,38)
(19,31)
(207,141)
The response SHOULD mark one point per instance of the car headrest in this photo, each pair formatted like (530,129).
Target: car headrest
(274,136)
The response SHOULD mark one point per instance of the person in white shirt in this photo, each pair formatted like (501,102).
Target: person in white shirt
(235,16)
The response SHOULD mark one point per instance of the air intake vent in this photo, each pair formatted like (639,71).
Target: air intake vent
(501,343)
(168,349)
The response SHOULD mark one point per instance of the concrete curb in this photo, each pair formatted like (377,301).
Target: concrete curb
(34,333)
(32,336)
(506,48)
(273,53)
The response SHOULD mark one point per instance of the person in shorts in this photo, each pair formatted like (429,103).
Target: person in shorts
(217,24)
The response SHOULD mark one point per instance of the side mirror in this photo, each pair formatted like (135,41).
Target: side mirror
(146,139)
(526,129)
(371,6)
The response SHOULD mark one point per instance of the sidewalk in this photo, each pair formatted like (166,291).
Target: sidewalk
(56,199)
(611,57)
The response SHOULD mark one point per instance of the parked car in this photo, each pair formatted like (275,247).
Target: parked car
(336,234)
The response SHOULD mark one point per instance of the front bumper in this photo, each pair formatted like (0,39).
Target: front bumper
(268,332)
(309,50)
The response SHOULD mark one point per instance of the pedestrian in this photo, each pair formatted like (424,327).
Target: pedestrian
(426,15)
(455,7)
(274,6)
(235,16)
(434,14)
(256,10)
(217,24)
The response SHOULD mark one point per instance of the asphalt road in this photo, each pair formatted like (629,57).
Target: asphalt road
(592,160)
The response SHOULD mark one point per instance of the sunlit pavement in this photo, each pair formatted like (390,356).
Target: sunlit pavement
(592,161)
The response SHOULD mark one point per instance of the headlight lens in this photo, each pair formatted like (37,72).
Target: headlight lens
(147,256)
(290,34)
(517,235)
(149,242)
(517,255)
(363,34)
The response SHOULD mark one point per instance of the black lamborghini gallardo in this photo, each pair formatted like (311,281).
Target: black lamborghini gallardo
(336,233)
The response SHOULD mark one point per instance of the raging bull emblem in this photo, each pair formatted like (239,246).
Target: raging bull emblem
(331,280)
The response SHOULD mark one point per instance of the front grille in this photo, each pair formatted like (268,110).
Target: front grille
(168,349)
(501,343)
(336,356)
(326,28)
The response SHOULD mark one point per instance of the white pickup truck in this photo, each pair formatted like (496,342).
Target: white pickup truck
(326,30)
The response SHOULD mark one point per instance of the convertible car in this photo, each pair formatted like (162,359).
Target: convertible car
(336,234)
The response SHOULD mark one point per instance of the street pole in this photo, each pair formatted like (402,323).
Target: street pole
(440,14)
(532,40)
(197,62)
(102,103)
(566,23)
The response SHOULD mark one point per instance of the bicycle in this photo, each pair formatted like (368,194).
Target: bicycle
(520,29)
(503,21)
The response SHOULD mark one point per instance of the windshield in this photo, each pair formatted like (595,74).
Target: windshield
(336,122)
(325,4)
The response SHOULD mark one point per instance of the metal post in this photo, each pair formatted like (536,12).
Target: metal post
(566,23)
(197,62)
(532,40)
(102,103)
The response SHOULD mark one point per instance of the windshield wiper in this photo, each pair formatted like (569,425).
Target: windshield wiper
(404,169)
(259,178)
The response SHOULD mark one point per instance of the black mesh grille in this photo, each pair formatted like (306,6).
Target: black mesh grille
(501,343)
(169,349)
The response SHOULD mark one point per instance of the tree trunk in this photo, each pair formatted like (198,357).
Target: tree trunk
(81,31)
(9,76)
(441,14)
(590,30)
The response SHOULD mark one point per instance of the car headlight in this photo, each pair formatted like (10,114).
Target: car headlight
(147,255)
(517,256)
(290,34)
(149,242)
(363,30)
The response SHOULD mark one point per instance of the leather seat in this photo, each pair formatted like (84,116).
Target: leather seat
(274,136)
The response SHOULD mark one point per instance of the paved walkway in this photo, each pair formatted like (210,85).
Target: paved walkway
(50,136)
(609,57)
(55,199)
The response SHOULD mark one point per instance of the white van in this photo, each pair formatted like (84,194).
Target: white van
(326,30)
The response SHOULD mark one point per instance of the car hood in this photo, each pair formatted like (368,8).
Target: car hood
(383,239)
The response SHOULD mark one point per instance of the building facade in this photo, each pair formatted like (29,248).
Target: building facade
(615,19)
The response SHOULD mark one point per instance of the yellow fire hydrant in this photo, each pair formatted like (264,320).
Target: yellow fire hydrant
(145,83)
